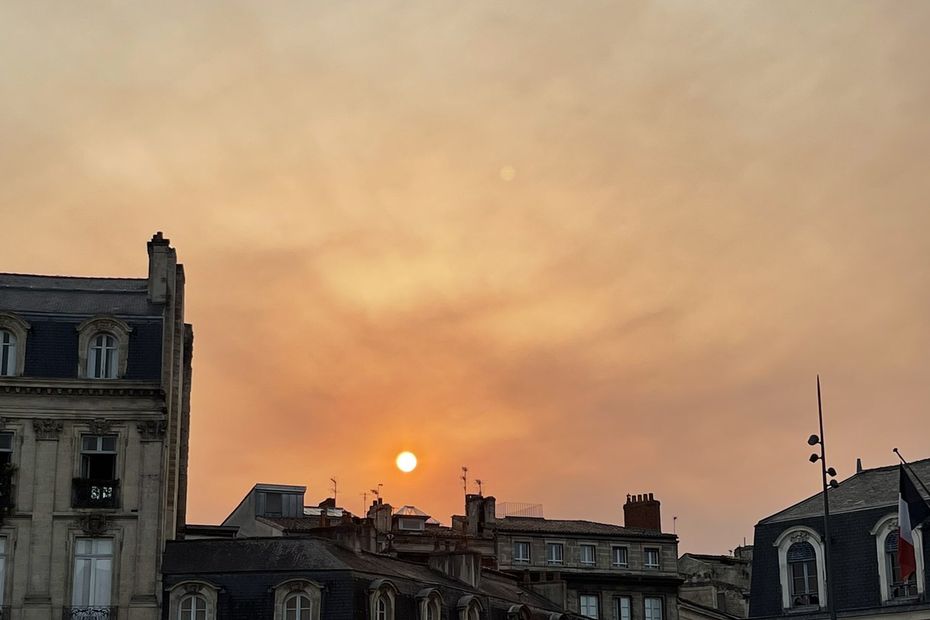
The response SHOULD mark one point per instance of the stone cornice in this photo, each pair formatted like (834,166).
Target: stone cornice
(69,387)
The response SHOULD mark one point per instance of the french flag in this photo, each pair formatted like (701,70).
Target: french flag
(912,510)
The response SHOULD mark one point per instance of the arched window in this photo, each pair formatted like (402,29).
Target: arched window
(802,567)
(103,356)
(297,607)
(469,608)
(192,607)
(383,594)
(430,604)
(298,599)
(7,353)
(103,347)
(898,588)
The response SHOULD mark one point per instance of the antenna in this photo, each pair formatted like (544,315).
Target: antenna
(479,483)
(334,488)
(465,479)
(364,502)
(377,492)
(675,524)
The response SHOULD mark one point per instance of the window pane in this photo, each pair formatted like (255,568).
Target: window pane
(6,441)
(89,443)
(109,443)
(623,608)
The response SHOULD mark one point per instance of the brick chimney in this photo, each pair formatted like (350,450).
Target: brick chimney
(642,511)
(163,262)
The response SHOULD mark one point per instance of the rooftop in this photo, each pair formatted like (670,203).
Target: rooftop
(76,295)
(870,488)
(564,526)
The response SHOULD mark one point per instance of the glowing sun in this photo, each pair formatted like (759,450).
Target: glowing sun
(406,461)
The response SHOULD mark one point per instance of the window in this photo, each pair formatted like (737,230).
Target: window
(588,605)
(6,449)
(411,525)
(103,348)
(553,553)
(297,607)
(7,353)
(102,357)
(588,555)
(624,608)
(297,599)
(897,588)
(273,504)
(93,576)
(190,600)
(652,606)
(651,557)
(471,610)
(430,604)
(98,457)
(193,607)
(382,600)
(521,552)
(619,556)
(802,570)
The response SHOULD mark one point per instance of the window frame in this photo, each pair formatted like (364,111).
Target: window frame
(661,600)
(618,606)
(529,552)
(382,591)
(884,527)
(626,556)
(94,557)
(192,614)
(194,587)
(582,547)
(19,330)
(561,546)
(87,334)
(286,590)
(646,564)
(429,600)
(591,596)
(800,533)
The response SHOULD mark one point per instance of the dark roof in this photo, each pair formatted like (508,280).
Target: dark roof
(704,609)
(556,527)
(25,293)
(723,559)
(277,554)
(870,488)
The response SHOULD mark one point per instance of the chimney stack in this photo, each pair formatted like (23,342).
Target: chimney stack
(163,262)
(642,512)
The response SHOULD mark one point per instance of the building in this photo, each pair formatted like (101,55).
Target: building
(718,582)
(788,573)
(309,578)
(597,570)
(94,416)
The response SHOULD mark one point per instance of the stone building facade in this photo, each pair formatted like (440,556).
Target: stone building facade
(719,582)
(94,421)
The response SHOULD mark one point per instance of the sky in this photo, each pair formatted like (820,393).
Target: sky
(583,248)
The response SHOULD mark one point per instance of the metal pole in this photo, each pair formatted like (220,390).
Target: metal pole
(828,568)
(913,473)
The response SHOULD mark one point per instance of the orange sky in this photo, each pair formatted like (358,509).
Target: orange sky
(583,249)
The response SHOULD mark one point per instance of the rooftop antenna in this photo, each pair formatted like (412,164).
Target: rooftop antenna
(479,483)
(377,492)
(334,489)
(675,524)
(465,479)
(364,502)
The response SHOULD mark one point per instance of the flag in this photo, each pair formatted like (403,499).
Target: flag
(912,510)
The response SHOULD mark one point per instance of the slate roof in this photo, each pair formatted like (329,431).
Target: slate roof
(410,511)
(265,555)
(870,488)
(26,293)
(557,527)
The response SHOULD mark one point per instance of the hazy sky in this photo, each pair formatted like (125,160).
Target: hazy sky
(585,248)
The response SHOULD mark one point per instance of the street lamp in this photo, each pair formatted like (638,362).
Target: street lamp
(814,440)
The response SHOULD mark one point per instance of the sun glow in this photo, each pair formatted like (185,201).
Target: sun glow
(406,461)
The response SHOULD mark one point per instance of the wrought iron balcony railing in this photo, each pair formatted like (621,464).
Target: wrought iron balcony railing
(87,493)
(88,613)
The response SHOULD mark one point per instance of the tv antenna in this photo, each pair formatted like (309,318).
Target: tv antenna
(334,488)
(465,479)
(479,483)
(377,492)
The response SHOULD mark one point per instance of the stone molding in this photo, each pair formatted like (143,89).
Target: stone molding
(46,429)
(152,430)
(103,324)
(19,328)
(99,426)
(93,524)
(71,390)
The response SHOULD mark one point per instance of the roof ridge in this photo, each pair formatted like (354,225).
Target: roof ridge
(48,275)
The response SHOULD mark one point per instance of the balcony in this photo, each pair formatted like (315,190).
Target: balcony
(88,613)
(89,493)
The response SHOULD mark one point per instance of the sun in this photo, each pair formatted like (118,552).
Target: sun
(406,461)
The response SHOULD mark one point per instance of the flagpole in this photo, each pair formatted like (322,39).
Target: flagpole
(913,473)
(831,599)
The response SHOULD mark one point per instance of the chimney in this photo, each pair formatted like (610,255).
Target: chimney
(858,466)
(480,513)
(163,264)
(642,512)
(380,515)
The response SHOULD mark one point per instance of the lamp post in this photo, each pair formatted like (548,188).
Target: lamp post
(814,440)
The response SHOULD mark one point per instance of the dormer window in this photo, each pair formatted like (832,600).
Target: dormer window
(103,348)
(13,332)
(102,357)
